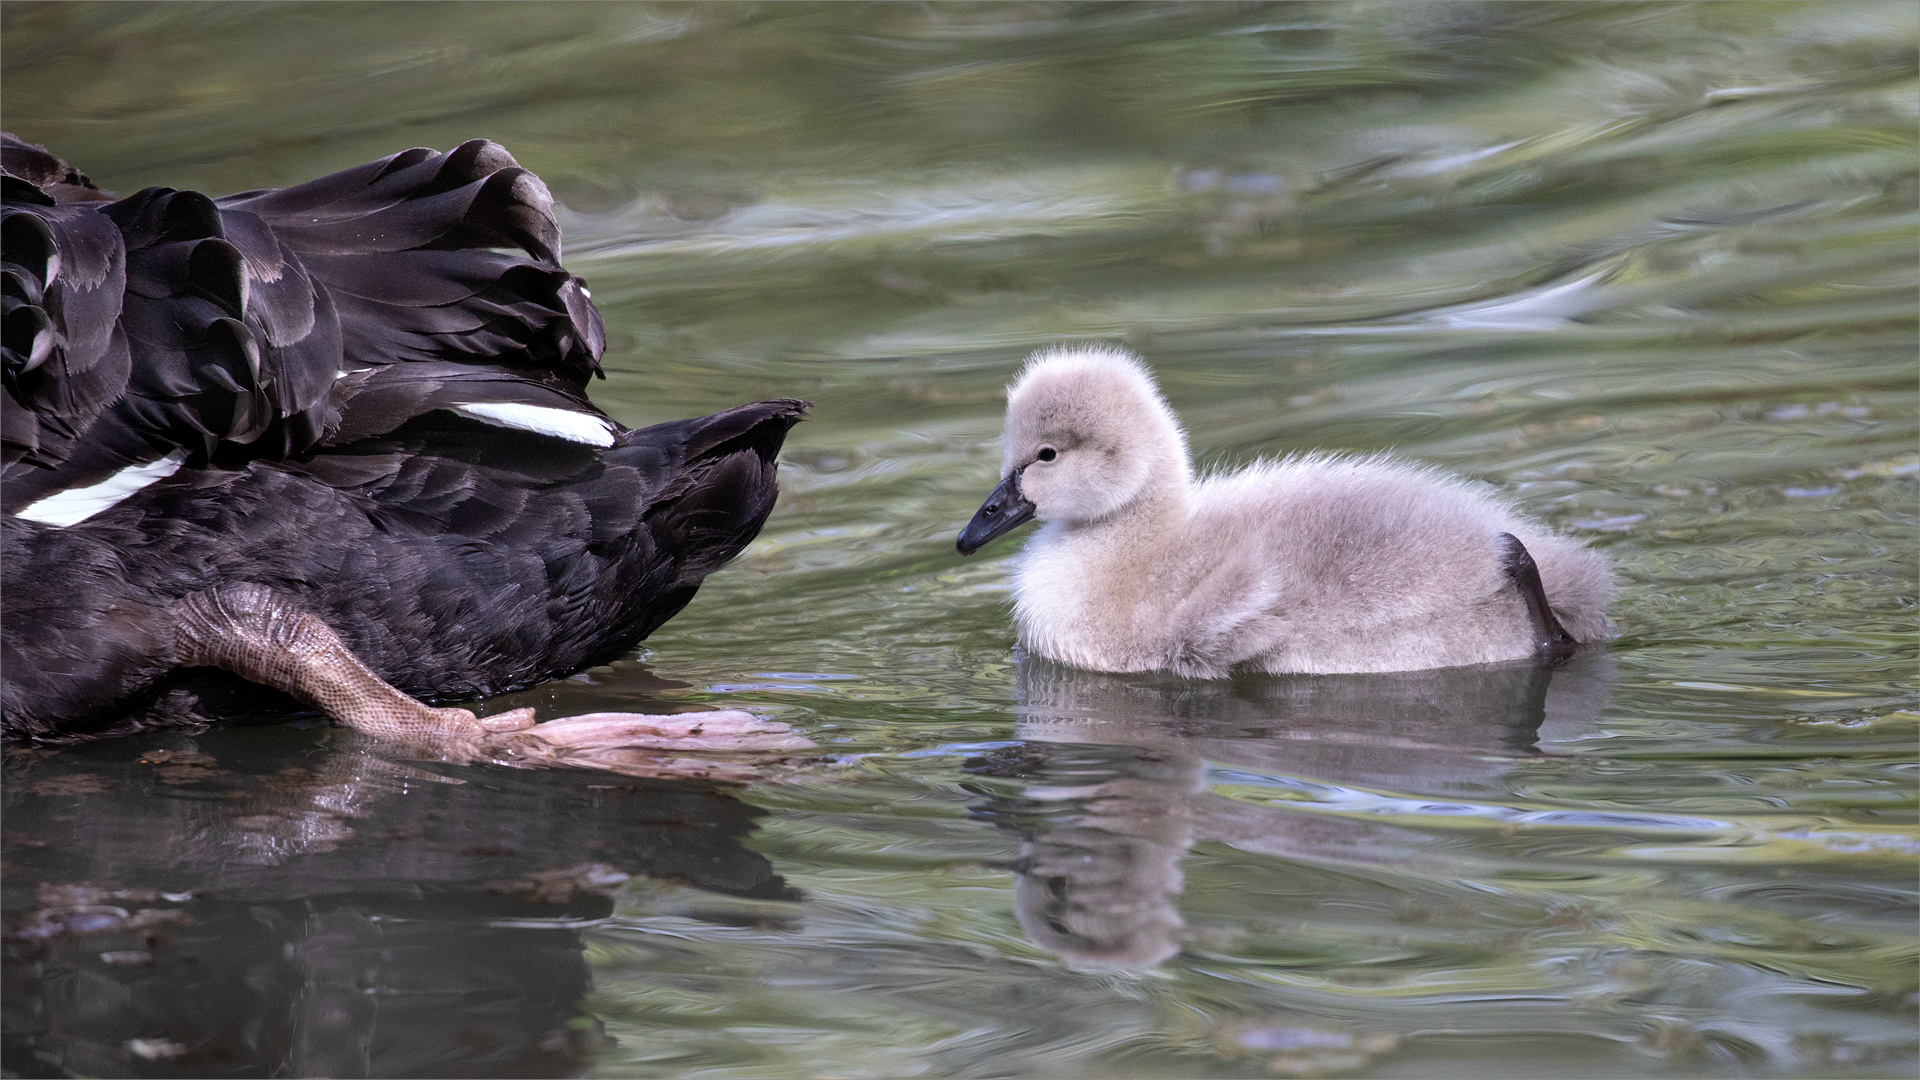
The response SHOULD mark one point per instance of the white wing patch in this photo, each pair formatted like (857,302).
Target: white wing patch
(75,505)
(542,420)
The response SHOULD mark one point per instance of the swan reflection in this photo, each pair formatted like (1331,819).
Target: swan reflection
(277,901)
(1111,778)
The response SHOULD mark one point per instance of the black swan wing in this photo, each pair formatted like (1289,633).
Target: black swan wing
(169,327)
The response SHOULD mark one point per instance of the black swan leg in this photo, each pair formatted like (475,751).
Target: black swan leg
(262,636)
(1549,637)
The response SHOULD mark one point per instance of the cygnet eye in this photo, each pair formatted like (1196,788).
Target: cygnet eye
(1047,453)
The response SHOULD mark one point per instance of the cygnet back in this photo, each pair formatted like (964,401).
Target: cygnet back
(1315,563)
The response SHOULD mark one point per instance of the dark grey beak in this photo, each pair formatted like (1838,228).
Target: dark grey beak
(1004,511)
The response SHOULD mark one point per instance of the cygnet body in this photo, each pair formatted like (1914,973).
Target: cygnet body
(1315,564)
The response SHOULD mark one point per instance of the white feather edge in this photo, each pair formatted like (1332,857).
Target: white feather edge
(71,507)
(75,505)
(543,420)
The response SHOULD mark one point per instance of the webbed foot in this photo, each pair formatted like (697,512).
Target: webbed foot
(644,744)
(259,635)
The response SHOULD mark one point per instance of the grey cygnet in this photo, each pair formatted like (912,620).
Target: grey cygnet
(1315,563)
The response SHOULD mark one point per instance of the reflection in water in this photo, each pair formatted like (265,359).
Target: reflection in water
(1115,777)
(1104,832)
(288,902)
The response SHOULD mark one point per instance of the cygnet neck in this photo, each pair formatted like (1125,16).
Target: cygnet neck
(1152,519)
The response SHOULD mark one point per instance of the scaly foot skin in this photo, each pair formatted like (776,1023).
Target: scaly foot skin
(644,744)
(259,635)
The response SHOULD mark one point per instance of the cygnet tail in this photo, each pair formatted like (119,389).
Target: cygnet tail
(1549,637)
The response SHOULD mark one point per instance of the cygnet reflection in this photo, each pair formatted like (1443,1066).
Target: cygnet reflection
(1103,828)
(1112,777)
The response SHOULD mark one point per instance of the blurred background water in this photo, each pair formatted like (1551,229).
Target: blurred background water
(1648,268)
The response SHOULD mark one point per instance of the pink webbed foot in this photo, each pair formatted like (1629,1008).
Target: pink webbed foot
(260,635)
(646,744)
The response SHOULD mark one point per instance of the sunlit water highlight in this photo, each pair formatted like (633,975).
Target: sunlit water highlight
(1648,269)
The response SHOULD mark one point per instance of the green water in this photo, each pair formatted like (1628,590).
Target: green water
(1649,269)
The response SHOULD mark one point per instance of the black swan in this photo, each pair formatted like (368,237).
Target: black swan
(333,439)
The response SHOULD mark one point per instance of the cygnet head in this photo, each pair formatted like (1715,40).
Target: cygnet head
(1087,434)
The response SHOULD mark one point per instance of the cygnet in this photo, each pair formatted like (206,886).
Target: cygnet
(1317,563)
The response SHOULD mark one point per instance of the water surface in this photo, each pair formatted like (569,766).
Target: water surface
(1650,270)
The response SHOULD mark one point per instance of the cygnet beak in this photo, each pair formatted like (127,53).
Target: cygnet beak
(1004,511)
